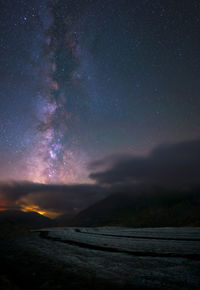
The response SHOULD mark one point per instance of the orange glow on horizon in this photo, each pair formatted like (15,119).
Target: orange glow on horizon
(33,208)
(3,205)
(37,209)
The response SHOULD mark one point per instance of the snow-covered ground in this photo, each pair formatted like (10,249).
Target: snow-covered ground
(153,257)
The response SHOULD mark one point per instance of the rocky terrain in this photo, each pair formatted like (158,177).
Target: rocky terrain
(102,258)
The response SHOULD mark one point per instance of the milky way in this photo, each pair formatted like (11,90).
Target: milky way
(51,160)
(81,80)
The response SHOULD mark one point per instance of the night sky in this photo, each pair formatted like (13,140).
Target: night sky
(84,81)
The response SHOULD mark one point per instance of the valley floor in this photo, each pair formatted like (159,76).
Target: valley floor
(104,258)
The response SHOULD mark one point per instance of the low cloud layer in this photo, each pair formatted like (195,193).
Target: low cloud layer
(167,166)
(55,198)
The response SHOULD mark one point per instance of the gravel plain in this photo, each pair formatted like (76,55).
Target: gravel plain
(148,257)
(108,258)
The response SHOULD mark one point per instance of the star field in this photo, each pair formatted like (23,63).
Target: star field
(81,80)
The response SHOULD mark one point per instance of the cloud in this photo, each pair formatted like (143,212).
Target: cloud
(52,197)
(167,165)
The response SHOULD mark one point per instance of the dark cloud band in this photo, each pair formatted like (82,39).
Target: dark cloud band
(174,166)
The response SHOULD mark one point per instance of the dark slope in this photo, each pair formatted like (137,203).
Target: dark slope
(63,220)
(27,219)
(154,209)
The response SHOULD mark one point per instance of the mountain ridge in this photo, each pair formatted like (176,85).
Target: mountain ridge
(28,219)
(143,209)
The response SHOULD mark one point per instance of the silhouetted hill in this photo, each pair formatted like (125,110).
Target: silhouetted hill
(154,209)
(63,220)
(26,219)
